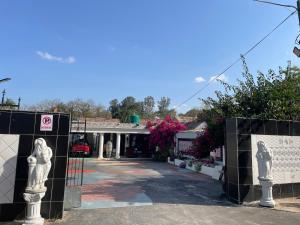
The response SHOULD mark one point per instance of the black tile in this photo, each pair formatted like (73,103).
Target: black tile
(232,173)
(62,146)
(45,209)
(270,127)
(276,190)
(10,212)
(48,185)
(231,126)
(38,125)
(246,193)
(244,142)
(257,126)
(57,209)
(58,190)
(60,167)
(296,190)
(286,190)
(295,128)
(231,142)
(22,123)
(51,172)
(20,186)
(233,192)
(22,168)
(283,127)
(257,192)
(244,126)
(25,145)
(245,176)
(245,158)
(4,122)
(232,158)
(64,124)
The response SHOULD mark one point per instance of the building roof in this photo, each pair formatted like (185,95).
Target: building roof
(107,126)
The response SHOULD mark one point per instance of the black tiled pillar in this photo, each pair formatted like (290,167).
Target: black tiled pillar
(238,175)
(27,126)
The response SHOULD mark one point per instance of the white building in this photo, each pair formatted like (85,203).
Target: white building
(123,136)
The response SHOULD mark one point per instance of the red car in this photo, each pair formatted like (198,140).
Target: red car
(81,147)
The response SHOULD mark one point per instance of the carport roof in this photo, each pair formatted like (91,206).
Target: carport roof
(108,127)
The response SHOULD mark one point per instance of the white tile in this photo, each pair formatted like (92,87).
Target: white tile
(10,195)
(9,145)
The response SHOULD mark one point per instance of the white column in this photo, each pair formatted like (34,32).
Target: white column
(101,144)
(33,212)
(126,143)
(118,145)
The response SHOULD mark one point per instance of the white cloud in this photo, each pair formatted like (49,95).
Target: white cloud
(216,78)
(70,60)
(199,79)
(48,56)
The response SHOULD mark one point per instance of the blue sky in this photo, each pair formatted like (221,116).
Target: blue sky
(106,49)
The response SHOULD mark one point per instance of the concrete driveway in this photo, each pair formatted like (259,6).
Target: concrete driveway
(144,192)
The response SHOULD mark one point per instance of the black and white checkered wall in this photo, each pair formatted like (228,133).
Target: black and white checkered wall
(238,172)
(18,130)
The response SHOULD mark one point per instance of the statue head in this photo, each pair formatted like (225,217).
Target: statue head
(263,152)
(40,144)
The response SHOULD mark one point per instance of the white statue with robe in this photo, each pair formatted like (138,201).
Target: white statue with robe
(39,163)
(264,159)
(109,148)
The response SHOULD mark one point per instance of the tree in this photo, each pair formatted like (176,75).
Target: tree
(100,111)
(163,106)
(148,107)
(77,108)
(49,106)
(9,102)
(192,112)
(128,107)
(270,96)
(114,108)
(80,108)
(162,133)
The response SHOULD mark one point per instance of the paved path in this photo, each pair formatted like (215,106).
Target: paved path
(123,183)
(146,193)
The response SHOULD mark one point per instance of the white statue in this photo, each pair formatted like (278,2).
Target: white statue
(39,163)
(39,166)
(109,147)
(264,160)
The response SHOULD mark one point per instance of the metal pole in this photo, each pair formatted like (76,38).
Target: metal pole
(19,103)
(3,95)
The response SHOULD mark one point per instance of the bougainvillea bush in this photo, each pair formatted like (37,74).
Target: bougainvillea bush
(210,139)
(162,133)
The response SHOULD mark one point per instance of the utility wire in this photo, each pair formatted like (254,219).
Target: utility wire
(236,61)
(277,4)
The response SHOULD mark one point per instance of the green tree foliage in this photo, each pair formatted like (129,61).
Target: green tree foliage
(77,108)
(114,108)
(148,107)
(129,107)
(269,96)
(163,107)
(192,112)
(9,102)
